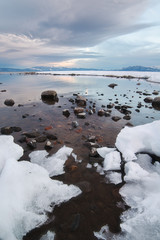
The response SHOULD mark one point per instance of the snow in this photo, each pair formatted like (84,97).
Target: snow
(112,161)
(28,192)
(143,138)
(54,164)
(48,236)
(152,76)
(141,190)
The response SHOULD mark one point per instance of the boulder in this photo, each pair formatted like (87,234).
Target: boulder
(9,102)
(49,97)
(156,103)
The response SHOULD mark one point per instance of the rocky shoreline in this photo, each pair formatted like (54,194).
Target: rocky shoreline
(83,124)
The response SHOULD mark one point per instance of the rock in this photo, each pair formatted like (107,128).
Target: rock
(156,103)
(41,138)
(116,118)
(22,139)
(110,105)
(25,115)
(81,115)
(92,139)
(78,110)
(93,152)
(90,111)
(32,134)
(9,102)
(148,100)
(51,136)
(6,130)
(107,114)
(127,117)
(32,144)
(48,145)
(3,90)
(66,112)
(71,100)
(49,97)
(155,92)
(112,85)
(146,94)
(75,124)
(101,112)
(81,101)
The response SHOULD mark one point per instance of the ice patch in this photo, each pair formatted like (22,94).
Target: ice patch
(114,177)
(53,164)
(104,151)
(144,138)
(112,161)
(48,236)
(27,192)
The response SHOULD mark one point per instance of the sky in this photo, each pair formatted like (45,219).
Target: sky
(102,34)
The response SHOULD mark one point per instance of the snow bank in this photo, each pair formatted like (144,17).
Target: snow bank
(142,190)
(54,164)
(150,76)
(144,138)
(27,192)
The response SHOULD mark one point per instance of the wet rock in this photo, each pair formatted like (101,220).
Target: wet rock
(78,110)
(25,115)
(110,105)
(96,159)
(22,139)
(81,115)
(155,92)
(91,139)
(6,130)
(66,112)
(75,124)
(16,129)
(156,103)
(127,117)
(48,145)
(146,94)
(112,85)
(90,112)
(93,152)
(116,118)
(41,138)
(137,110)
(31,134)
(71,100)
(107,114)
(3,90)
(51,136)
(81,101)
(9,102)
(101,112)
(148,100)
(32,144)
(49,97)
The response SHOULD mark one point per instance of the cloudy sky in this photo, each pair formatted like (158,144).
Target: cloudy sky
(103,34)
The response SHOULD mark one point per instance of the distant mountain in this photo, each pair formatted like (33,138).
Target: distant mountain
(140,69)
(47,69)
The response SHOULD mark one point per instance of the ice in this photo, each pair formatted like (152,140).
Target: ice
(114,177)
(27,193)
(104,150)
(53,164)
(144,138)
(48,236)
(142,189)
(112,161)
(147,76)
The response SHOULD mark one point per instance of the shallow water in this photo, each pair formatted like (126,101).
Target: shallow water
(97,206)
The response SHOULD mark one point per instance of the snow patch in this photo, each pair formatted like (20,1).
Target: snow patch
(28,192)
